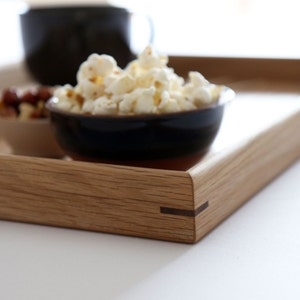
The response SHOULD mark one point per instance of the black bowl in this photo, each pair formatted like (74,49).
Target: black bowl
(138,137)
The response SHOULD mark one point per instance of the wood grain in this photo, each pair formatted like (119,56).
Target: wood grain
(174,205)
(238,68)
(245,171)
(220,69)
(96,197)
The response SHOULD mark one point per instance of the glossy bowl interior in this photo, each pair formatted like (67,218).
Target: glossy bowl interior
(139,137)
(29,137)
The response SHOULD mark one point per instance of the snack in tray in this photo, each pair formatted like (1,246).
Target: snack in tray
(146,86)
(25,105)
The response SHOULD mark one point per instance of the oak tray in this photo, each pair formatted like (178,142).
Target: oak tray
(177,200)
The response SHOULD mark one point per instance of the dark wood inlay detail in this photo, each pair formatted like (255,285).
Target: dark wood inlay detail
(184,212)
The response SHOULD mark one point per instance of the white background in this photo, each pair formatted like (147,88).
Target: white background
(264,28)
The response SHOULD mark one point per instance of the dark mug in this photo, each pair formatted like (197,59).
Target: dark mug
(57,40)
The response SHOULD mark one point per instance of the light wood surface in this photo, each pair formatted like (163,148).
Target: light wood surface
(177,200)
(238,68)
(14,75)
(258,140)
(222,70)
(231,178)
(96,197)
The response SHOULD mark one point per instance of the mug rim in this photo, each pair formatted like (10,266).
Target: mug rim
(74,8)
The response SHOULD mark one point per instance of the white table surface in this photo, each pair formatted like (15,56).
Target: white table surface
(254,254)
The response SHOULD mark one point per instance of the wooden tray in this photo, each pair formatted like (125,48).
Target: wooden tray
(179,200)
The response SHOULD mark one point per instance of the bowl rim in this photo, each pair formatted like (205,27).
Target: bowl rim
(227,95)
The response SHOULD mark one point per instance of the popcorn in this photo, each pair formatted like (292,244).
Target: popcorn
(68,98)
(118,85)
(104,106)
(168,104)
(146,86)
(149,59)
